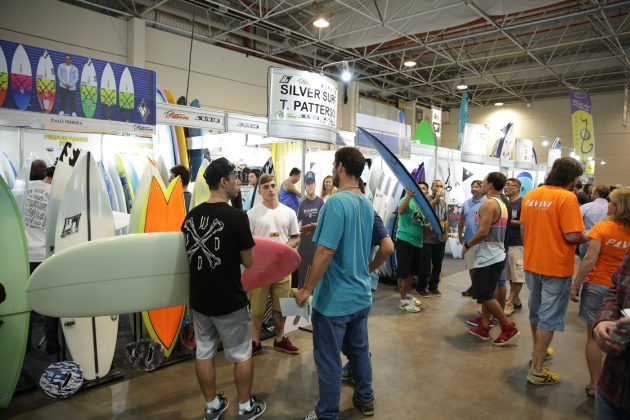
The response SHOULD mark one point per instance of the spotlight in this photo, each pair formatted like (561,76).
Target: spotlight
(409,63)
(462,86)
(545,143)
(498,104)
(345,74)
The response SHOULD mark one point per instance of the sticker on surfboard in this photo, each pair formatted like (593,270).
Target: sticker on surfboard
(108,92)
(21,78)
(45,82)
(89,89)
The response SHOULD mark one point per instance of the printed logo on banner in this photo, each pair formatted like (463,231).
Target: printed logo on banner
(71,225)
(207,119)
(144,110)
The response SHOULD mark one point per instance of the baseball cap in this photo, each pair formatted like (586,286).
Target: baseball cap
(218,168)
(309,177)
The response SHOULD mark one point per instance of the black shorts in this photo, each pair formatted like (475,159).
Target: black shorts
(408,258)
(484,281)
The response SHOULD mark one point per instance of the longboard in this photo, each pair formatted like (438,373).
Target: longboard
(85,215)
(136,272)
(14,311)
(45,83)
(21,78)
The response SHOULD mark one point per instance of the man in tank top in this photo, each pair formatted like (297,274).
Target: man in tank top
(487,248)
(289,195)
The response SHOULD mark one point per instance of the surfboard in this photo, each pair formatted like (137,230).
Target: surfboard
(111,194)
(85,215)
(125,180)
(45,82)
(7,170)
(509,140)
(162,168)
(14,311)
(136,272)
(195,132)
(266,169)
(63,169)
(89,89)
(4,77)
(201,191)
(117,187)
(404,178)
(20,185)
(179,131)
(21,78)
(108,92)
(126,95)
(169,132)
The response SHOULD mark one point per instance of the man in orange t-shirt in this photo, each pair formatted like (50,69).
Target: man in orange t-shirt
(551,226)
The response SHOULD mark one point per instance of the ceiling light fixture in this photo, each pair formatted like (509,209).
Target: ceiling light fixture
(603,162)
(462,86)
(498,104)
(320,18)
(345,74)
(409,63)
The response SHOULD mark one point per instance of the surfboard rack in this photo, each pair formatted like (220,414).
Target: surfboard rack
(109,378)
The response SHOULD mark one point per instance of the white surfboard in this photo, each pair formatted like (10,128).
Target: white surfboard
(63,169)
(84,215)
(45,82)
(126,95)
(119,192)
(507,150)
(7,169)
(21,182)
(164,171)
(21,78)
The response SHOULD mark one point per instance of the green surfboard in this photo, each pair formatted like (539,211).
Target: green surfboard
(14,312)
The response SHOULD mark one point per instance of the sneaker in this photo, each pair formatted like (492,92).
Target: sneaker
(256,348)
(408,306)
(509,309)
(475,322)
(518,304)
(423,293)
(310,416)
(367,409)
(547,377)
(285,346)
(257,410)
(508,333)
(414,300)
(435,292)
(467,292)
(480,331)
(215,413)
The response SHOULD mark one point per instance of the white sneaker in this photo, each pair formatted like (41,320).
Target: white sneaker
(415,300)
(74,114)
(61,113)
(408,306)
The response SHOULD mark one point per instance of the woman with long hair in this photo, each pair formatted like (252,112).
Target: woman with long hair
(609,240)
(328,188)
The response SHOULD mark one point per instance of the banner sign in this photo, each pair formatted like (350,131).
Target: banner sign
(436,123)
(301,105)
(187,116)
(238,123)
(582,124)
(463,119)
(54,89)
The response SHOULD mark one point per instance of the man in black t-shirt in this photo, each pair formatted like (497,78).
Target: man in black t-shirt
(218,241)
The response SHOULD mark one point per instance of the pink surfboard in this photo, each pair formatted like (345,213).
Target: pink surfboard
(273,261)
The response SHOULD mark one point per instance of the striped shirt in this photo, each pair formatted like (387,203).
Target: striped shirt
(614,382)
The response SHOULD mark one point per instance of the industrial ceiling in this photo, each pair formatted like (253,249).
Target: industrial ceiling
(503,50)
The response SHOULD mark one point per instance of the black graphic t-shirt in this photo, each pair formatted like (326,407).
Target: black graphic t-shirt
(215,234)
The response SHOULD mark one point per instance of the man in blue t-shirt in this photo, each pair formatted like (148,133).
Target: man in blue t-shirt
(340,279)
(466,226)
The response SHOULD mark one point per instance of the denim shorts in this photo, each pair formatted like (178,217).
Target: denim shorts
(548,300)
(591,297)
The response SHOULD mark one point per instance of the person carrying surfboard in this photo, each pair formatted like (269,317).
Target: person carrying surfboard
(340,283)
(272,219)
(218,242)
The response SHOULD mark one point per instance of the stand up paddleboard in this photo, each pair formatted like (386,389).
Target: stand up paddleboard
(63,169)
(88,89)
(401,174)
(108,92)
(4,77)
(126,96)
(85,215)
(14,312)
(45,82)
(21,78)
(136,272)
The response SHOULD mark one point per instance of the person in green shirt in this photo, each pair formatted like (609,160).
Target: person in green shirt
(408,249)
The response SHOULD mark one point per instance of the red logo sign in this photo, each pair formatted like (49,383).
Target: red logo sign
(175,116)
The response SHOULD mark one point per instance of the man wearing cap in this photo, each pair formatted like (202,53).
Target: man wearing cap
(308,212)
(272,219)
(218,241)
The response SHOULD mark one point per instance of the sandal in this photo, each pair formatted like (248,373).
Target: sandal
(590,391)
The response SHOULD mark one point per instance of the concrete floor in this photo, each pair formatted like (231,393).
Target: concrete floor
(426,365)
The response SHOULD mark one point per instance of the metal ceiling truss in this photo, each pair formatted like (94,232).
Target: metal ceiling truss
(519,57)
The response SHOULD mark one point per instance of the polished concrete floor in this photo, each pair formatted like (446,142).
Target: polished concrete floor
(426,366)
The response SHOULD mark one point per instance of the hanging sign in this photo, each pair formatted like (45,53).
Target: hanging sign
(52,89)
(582,124)
(238,123)
(436,122)
(188,116)
(301,105)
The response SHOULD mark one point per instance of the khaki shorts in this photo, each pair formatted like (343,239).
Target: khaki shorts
(258,297)
(514,271)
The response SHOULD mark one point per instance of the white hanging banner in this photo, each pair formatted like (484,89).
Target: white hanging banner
(187,116)
(436,123)
(238,123)
(301,105)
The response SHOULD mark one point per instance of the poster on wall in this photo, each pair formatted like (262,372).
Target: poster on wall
(436,122)
(301,105)
(582,124)
(55,89)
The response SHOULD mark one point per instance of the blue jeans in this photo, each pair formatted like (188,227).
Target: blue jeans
(606,410)
(329,334)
